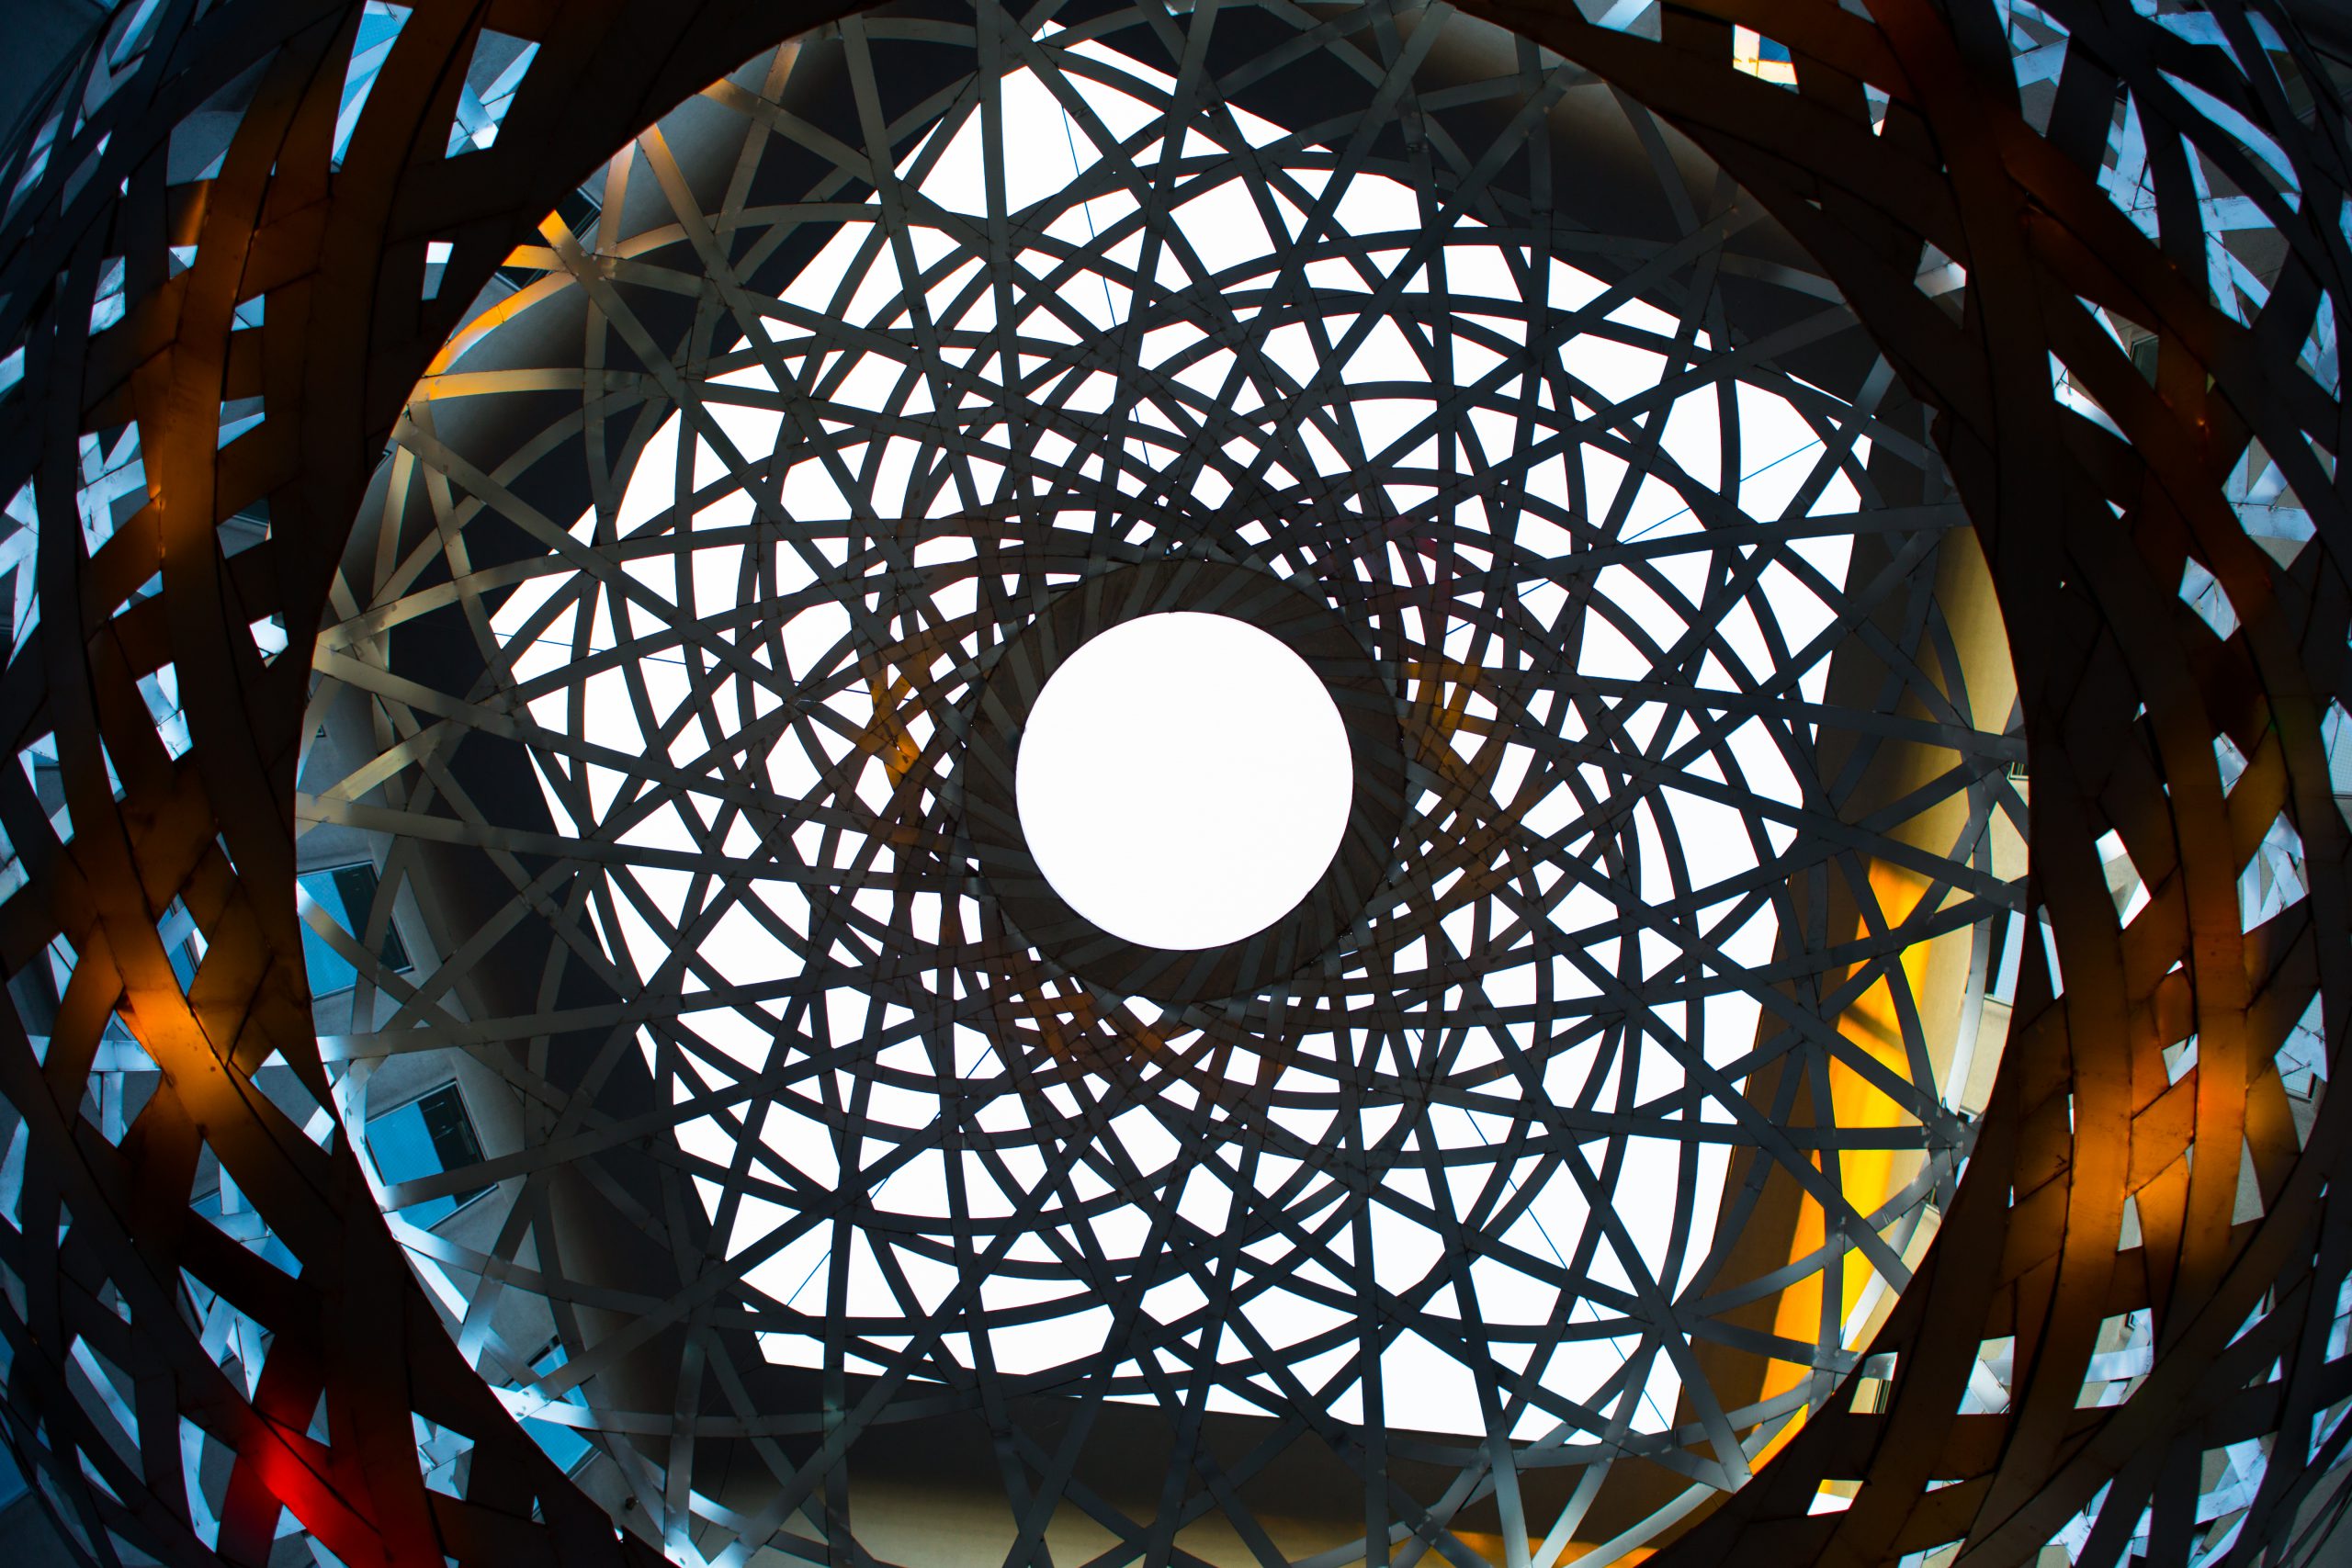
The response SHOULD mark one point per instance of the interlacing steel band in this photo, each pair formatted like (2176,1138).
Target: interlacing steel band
(531,529)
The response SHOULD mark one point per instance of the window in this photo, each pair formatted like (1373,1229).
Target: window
(424,1137)
(563,1444)
(346,893)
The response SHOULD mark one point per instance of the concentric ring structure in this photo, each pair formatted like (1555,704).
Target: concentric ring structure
(1543,1165)
(2075,273)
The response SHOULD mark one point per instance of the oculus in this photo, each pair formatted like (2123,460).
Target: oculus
(1569,1132)
(1183,780)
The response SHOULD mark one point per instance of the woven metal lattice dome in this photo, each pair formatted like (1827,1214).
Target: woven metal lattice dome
(404,1037)
(1559,1149)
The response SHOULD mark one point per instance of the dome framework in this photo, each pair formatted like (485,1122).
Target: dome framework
(2175,641)
(1476,1173)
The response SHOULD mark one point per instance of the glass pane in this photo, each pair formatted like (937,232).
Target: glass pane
(345,893)
(355,884)
(330,971)
(426,1136)
(563,1444)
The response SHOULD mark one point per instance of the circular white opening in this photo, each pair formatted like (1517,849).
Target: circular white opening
(1183,780)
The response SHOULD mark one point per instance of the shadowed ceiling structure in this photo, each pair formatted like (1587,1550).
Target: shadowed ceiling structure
(534,1033)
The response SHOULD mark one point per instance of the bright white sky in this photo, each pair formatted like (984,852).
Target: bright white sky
(1183,780)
